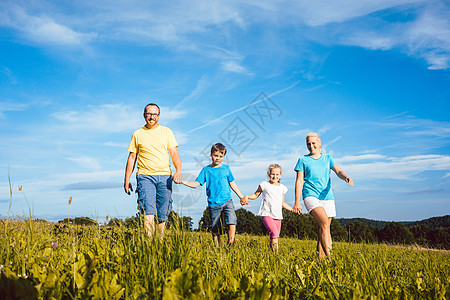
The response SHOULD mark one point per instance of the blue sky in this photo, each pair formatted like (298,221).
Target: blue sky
(371,77)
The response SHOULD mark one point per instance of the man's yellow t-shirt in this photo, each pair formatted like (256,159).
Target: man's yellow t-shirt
(152,146)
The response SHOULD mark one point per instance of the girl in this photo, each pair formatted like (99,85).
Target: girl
(272,202)
(313,180)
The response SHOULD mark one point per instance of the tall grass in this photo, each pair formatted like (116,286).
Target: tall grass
(71,261)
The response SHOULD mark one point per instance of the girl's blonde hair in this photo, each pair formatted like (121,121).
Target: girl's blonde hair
(313,134)
(274,166)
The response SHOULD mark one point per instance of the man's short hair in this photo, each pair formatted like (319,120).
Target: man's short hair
(219,147)
(152,104)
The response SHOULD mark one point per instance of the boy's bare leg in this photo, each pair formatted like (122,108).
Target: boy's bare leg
(231,233)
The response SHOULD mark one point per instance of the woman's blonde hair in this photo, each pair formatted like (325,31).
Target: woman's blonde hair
(274,166)
(313,134)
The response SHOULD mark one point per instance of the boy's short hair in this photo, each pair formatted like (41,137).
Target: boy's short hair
(219,147)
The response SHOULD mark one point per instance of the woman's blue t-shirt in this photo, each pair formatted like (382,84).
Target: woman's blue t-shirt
(217,184)
(316,176)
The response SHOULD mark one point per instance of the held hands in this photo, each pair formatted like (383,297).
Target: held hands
(177,177)
(244,200)
(297,209)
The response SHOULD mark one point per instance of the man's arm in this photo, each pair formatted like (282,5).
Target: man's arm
(298,192)
(131,162)
(176,160)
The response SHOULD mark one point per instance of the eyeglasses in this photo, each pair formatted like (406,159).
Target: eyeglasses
(151,115)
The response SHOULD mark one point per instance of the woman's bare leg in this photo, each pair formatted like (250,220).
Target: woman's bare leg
(324,235)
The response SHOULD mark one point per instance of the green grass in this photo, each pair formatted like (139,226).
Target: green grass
(118,263)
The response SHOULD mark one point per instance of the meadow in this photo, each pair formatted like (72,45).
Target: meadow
(67,261)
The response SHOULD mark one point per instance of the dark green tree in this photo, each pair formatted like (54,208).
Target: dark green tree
(423,234)
(79,221)
(358,231)
(205,221)
(116,222)
(247,222)
(396,233)
(440,238)
(132,222)
(338,233)
(300,226)
(187,223)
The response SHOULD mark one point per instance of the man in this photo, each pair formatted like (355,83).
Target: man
(151,146)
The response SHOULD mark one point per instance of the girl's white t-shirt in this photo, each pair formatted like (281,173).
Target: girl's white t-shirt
(272,200)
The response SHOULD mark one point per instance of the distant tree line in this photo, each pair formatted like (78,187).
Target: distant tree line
(433,233)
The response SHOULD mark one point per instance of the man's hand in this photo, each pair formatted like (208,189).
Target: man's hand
(127,187)
(177,177)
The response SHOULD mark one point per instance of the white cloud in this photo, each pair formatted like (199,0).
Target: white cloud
(233,66)
(201,86)
(353,158)
(86,162)
(111,118)
(6,72)
(403,168)
(10,106)
(429,36)
(315,13)
(206,26)
(41,29)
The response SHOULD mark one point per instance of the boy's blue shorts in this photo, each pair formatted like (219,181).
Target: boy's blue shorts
(155,195)
(230,215)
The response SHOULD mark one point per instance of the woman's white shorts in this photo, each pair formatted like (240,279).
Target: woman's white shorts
(328,205)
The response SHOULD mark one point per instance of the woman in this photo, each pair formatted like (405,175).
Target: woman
(313,181)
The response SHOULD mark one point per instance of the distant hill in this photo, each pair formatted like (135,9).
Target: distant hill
(433,223)
(373,223)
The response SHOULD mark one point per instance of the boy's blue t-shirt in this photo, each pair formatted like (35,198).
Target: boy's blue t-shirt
(217,184)
(316,174)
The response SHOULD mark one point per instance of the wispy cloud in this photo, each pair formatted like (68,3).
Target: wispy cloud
(354,158)
(202,85)
(41,28)
(234,66)
(111,118)
(401,168)
(424,34)
(10,106)
(92,185)
(8,75)
(242,108)
(326,12)
(86,162)
(206,27)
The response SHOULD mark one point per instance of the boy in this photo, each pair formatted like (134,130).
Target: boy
(219,179)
